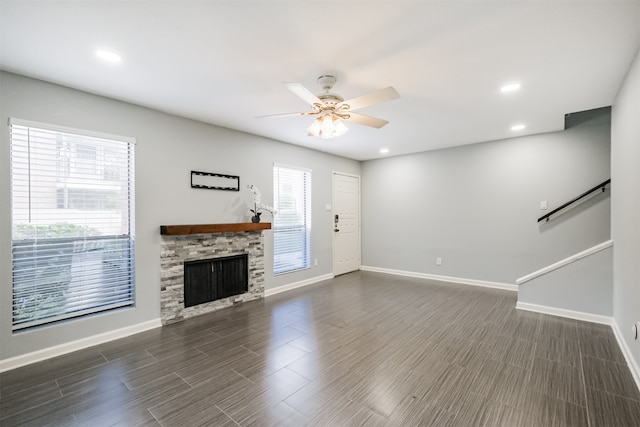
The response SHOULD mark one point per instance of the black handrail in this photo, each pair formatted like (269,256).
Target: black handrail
(570,202)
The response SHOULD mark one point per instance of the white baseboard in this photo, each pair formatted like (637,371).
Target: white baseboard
(633,366)
(563,312)
(290,286)
(58,350)
(459,280)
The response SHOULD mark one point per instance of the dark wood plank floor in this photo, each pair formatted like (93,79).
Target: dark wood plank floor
(362,349)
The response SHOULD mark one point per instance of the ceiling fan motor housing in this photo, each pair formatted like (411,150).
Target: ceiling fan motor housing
(327,81)
(330,98)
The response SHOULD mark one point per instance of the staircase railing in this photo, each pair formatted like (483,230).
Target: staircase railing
(602,186)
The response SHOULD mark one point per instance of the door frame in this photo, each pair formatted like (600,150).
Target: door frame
(333,199)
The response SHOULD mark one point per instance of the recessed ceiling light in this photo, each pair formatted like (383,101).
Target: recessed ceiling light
(108,56)
(384,150)
(517,127)
(511,87)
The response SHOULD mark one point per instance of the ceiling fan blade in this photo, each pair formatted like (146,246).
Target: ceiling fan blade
(303,93)
(382,95)
(304,113)
(361,119)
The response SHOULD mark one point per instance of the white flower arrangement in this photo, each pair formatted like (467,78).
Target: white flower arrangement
(258,206)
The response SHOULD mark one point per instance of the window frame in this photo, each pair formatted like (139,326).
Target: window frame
(117,248)
(301,231)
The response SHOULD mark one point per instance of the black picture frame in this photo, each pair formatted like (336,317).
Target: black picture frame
(215,181)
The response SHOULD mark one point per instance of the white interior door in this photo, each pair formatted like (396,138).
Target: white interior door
(346,223)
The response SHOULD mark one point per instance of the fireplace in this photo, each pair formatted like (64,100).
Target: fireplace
(201,247)
(213,279)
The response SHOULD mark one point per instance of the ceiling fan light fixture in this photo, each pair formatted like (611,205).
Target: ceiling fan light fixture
(327,127)
(340,128)
(314,129)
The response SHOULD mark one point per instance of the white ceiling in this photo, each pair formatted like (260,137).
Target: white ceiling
(224,62)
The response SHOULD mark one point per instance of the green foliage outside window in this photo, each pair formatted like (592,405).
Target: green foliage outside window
(59,230)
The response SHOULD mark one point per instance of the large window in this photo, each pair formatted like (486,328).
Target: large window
(72,223)
(292,221)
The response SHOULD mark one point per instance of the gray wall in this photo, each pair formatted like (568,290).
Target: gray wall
(476,206)
(168,148)
(625,206)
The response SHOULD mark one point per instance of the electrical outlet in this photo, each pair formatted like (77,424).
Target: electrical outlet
(315,262)
(438,261)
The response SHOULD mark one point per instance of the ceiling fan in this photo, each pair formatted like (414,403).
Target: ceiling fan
(332,110)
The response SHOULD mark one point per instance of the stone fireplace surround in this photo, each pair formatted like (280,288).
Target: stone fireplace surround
(180,243)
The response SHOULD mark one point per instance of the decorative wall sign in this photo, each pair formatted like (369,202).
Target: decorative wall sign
(215,181)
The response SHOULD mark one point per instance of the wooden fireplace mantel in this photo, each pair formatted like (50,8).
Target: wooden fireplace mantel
(179,230)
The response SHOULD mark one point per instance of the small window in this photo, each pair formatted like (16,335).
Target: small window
(292,221)
(72,223)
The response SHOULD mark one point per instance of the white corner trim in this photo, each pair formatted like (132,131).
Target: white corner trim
(563,312)
(290,286)
(568,260)
(459,280)
(58,350)
(633,366)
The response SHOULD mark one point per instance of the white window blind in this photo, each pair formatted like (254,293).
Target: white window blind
(292,221)
(72,223)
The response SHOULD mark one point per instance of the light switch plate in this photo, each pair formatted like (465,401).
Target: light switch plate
(543,205)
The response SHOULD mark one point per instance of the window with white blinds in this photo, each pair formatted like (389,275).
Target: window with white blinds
(72,223)
(292,221)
